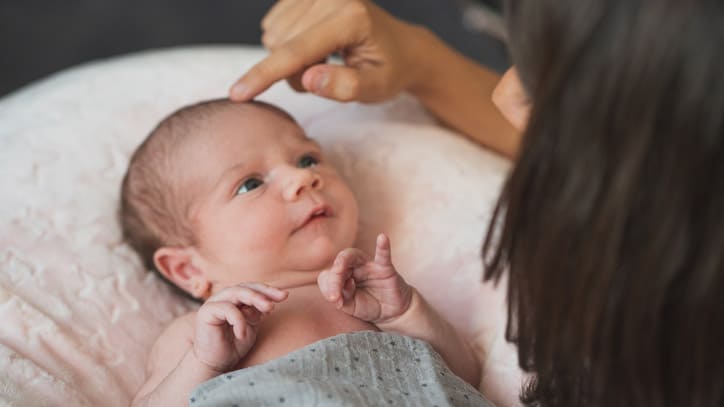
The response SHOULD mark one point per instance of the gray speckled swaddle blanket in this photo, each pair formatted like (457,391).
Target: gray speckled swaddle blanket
(357,369)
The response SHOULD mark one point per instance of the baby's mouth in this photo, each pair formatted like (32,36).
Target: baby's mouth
(317,213)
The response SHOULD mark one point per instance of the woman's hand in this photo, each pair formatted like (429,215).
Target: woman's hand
(227,323)
(378,51)
(383,56)
(370,290)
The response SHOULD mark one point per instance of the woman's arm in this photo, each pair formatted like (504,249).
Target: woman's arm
(459,92)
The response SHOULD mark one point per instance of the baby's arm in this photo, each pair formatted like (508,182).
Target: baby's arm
(172,370)
(421,321)
(202,345)
(373,291)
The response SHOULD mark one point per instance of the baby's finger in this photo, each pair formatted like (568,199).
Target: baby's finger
(271,293)
(275,294)
(331,281)
(351,258)
(355,260)
(239,295)
(251,314)
(347,291)
(219,313)
(383,251)
(254,299)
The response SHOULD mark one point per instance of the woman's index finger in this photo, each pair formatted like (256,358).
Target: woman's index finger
(303,50)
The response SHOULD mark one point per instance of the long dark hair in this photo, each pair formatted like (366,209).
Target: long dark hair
(610,228)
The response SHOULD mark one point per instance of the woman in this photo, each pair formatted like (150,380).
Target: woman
(610,227)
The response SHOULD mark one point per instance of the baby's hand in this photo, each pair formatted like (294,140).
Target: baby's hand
(369,290)
(227,323)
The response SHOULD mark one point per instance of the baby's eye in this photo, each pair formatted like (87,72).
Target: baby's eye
(307,160)
(248,185)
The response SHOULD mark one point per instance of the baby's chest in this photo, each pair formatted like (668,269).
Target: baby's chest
(292,328)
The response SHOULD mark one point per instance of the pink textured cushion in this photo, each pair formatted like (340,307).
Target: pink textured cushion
(78,311)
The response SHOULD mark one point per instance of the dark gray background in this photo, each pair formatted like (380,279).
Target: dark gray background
(39,37)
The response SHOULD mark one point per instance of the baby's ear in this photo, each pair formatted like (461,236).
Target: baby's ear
(175,263)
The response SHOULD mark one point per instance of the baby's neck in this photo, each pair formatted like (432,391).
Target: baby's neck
(294,279)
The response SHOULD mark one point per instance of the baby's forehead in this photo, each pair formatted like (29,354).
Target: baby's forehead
(257,111)
(237,132)
(249,121)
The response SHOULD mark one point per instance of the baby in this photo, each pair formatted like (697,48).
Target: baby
(235,206)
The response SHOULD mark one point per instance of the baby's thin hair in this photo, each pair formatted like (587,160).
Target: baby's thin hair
(154,211)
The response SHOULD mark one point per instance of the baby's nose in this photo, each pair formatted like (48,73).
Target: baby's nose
(300,180)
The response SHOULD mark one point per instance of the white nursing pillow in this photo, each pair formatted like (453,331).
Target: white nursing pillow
(79,313)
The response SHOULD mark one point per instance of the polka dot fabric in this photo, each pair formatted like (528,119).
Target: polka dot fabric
(357,369)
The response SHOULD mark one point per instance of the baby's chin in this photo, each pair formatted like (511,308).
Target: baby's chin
(299,265)
(315,260)
(317,255)
(302,273)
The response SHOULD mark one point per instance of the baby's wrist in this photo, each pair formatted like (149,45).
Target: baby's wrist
(400,323)
(204,365)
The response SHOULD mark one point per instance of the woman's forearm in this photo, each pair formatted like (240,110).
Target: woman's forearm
(459,92)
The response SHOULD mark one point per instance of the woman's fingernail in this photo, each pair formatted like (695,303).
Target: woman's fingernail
(320,82)
(238,91)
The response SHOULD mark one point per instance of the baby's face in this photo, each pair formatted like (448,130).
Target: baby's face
(267,206)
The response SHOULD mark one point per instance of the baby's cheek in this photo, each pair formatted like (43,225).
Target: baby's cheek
(253,234)
(350,222)
(266,231)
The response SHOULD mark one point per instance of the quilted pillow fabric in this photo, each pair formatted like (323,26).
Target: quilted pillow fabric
(79,312)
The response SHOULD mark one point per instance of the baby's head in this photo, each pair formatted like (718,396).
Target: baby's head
(222,193)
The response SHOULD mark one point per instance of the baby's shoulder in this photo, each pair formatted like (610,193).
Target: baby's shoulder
(180,327)
(184,320)
(176,336)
